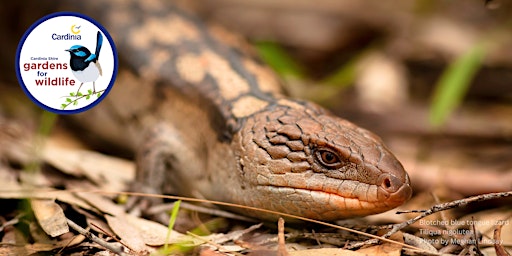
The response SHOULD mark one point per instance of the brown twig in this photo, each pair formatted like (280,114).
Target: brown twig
(281,249)
(112,236)
(115,249)
(477,246)
(498,246)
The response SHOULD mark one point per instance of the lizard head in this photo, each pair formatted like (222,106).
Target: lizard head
(300,159)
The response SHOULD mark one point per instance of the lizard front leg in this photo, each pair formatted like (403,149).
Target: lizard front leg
(162,159)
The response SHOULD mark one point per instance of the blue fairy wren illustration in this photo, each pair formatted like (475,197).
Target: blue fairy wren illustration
(85,65)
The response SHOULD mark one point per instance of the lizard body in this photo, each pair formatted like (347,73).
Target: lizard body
(207,119)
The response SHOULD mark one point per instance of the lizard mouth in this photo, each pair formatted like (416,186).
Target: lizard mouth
(332,202)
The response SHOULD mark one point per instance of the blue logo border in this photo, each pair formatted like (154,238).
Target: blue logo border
(22,42)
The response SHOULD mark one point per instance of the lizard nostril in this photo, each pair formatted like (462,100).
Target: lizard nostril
(386,183)
(398,189)
(390,183)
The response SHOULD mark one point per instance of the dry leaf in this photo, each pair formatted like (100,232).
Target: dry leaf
(129,234)
(153,233)
(50,216)
(109,173)
(386,248)
(35,248)
(72,199)
(101,203)
(8,183)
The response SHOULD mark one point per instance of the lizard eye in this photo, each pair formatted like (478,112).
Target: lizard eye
(327,158)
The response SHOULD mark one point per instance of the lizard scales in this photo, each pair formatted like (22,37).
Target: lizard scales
(209,120)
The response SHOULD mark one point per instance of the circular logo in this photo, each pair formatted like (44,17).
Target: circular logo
(66,62)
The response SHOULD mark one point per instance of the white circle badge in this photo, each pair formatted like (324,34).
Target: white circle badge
(66,62)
